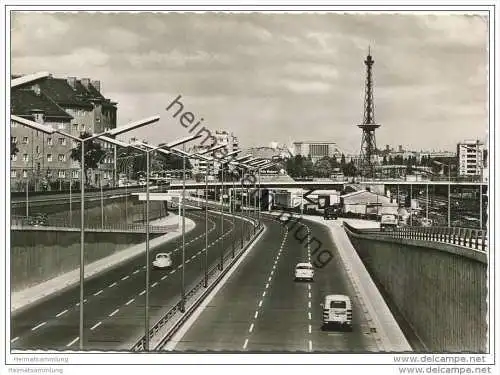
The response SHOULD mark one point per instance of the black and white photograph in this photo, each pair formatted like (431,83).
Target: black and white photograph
(247,184)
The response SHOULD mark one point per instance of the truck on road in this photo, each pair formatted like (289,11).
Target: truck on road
(388,222)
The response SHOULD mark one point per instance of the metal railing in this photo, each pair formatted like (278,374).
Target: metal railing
(468,237)
(32,222)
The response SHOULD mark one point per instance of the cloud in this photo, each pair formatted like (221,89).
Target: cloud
(266,76)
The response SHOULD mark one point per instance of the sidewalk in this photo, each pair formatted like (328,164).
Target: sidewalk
(389,333)
(23,298)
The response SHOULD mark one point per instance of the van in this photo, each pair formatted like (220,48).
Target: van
(337,310)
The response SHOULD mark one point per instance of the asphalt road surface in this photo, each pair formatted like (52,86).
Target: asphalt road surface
(262,309)
(115,300)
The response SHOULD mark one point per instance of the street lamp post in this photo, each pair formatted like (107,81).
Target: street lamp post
(111,132)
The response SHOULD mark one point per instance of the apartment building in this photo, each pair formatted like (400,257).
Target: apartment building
(470,154)
(87,110)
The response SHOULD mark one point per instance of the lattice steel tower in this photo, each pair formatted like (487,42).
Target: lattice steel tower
(368,143)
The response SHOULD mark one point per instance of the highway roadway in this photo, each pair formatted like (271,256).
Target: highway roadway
(114,307)
(262,309)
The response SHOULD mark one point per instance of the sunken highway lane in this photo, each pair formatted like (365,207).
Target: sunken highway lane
(115,299)
(262,309)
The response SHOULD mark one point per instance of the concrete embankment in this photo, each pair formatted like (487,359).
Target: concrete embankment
(441,293)
(39,270)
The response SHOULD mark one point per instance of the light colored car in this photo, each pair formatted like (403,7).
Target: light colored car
(162,260)
(304,271)
(337,310)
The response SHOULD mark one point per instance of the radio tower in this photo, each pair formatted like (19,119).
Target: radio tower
(368,143)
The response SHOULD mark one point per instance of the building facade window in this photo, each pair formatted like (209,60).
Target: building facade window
(13,174)
(60,125)
(49,141)
(26,158)
(74,174)
(82,127)
(13,124)
(62,174)
(25,173)
(25,140)
(13,157)
(49,157)
(37,149)
(74,143)
(61,157)
(62,141)
(13,140)
(75,128)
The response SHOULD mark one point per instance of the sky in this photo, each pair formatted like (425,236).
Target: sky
(278,77)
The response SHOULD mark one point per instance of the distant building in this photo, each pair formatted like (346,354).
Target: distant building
(470,155)
(222,137)
(317,150)
(73,106)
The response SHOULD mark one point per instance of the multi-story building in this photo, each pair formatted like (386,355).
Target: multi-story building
(317,150)
(222,137)
(88,110)
(41,158)
(470,155)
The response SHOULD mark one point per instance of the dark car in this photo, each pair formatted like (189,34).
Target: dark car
(331,212)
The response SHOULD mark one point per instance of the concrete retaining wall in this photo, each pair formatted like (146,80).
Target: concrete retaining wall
(38,256)
(441,295)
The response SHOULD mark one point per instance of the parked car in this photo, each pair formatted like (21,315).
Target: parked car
(162,261)
(304,271)
(38,220)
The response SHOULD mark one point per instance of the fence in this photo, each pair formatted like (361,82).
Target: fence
(467,237)
(31,222)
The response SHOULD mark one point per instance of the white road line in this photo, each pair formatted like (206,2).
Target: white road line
(310,346)
(309,294)
(251,328)
(256,314)
(163,277)
(187,261)
(143,267)
(112,285)
(309,304)
(125,277)
(269,279)
(156,283)
(135,272)
(180,266)
(245,344)
(264,293)
(267,286)
(38,326)
(95,326)
(309,314)
(85,301)
(309,286)
(97,293)
(194,256)
(62,313)
(171,272)
(260,303)
(78,304)
(114,312)
(14,339)
(129,302)
(141,293)
(72,342)
(310,328)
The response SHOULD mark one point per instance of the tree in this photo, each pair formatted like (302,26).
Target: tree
(323,168)
(93,155)
(384,160)
(13,149)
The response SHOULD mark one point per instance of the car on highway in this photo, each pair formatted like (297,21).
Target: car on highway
(304,271)
(337,310)
(162,261)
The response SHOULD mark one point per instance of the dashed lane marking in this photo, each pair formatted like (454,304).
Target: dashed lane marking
(135,272)
(95,326)
(264,293)
(62,313)
(260,303)
(245,344)
(14,339)
(154,284)
(309,314)
(309,304)
(129,302)
(256,315)
(163,277)
(38,326)
(141,293)
(310,328)
(97,293)
(72,342)
(114,312)
(310,345)
(251,328)
(125,277)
